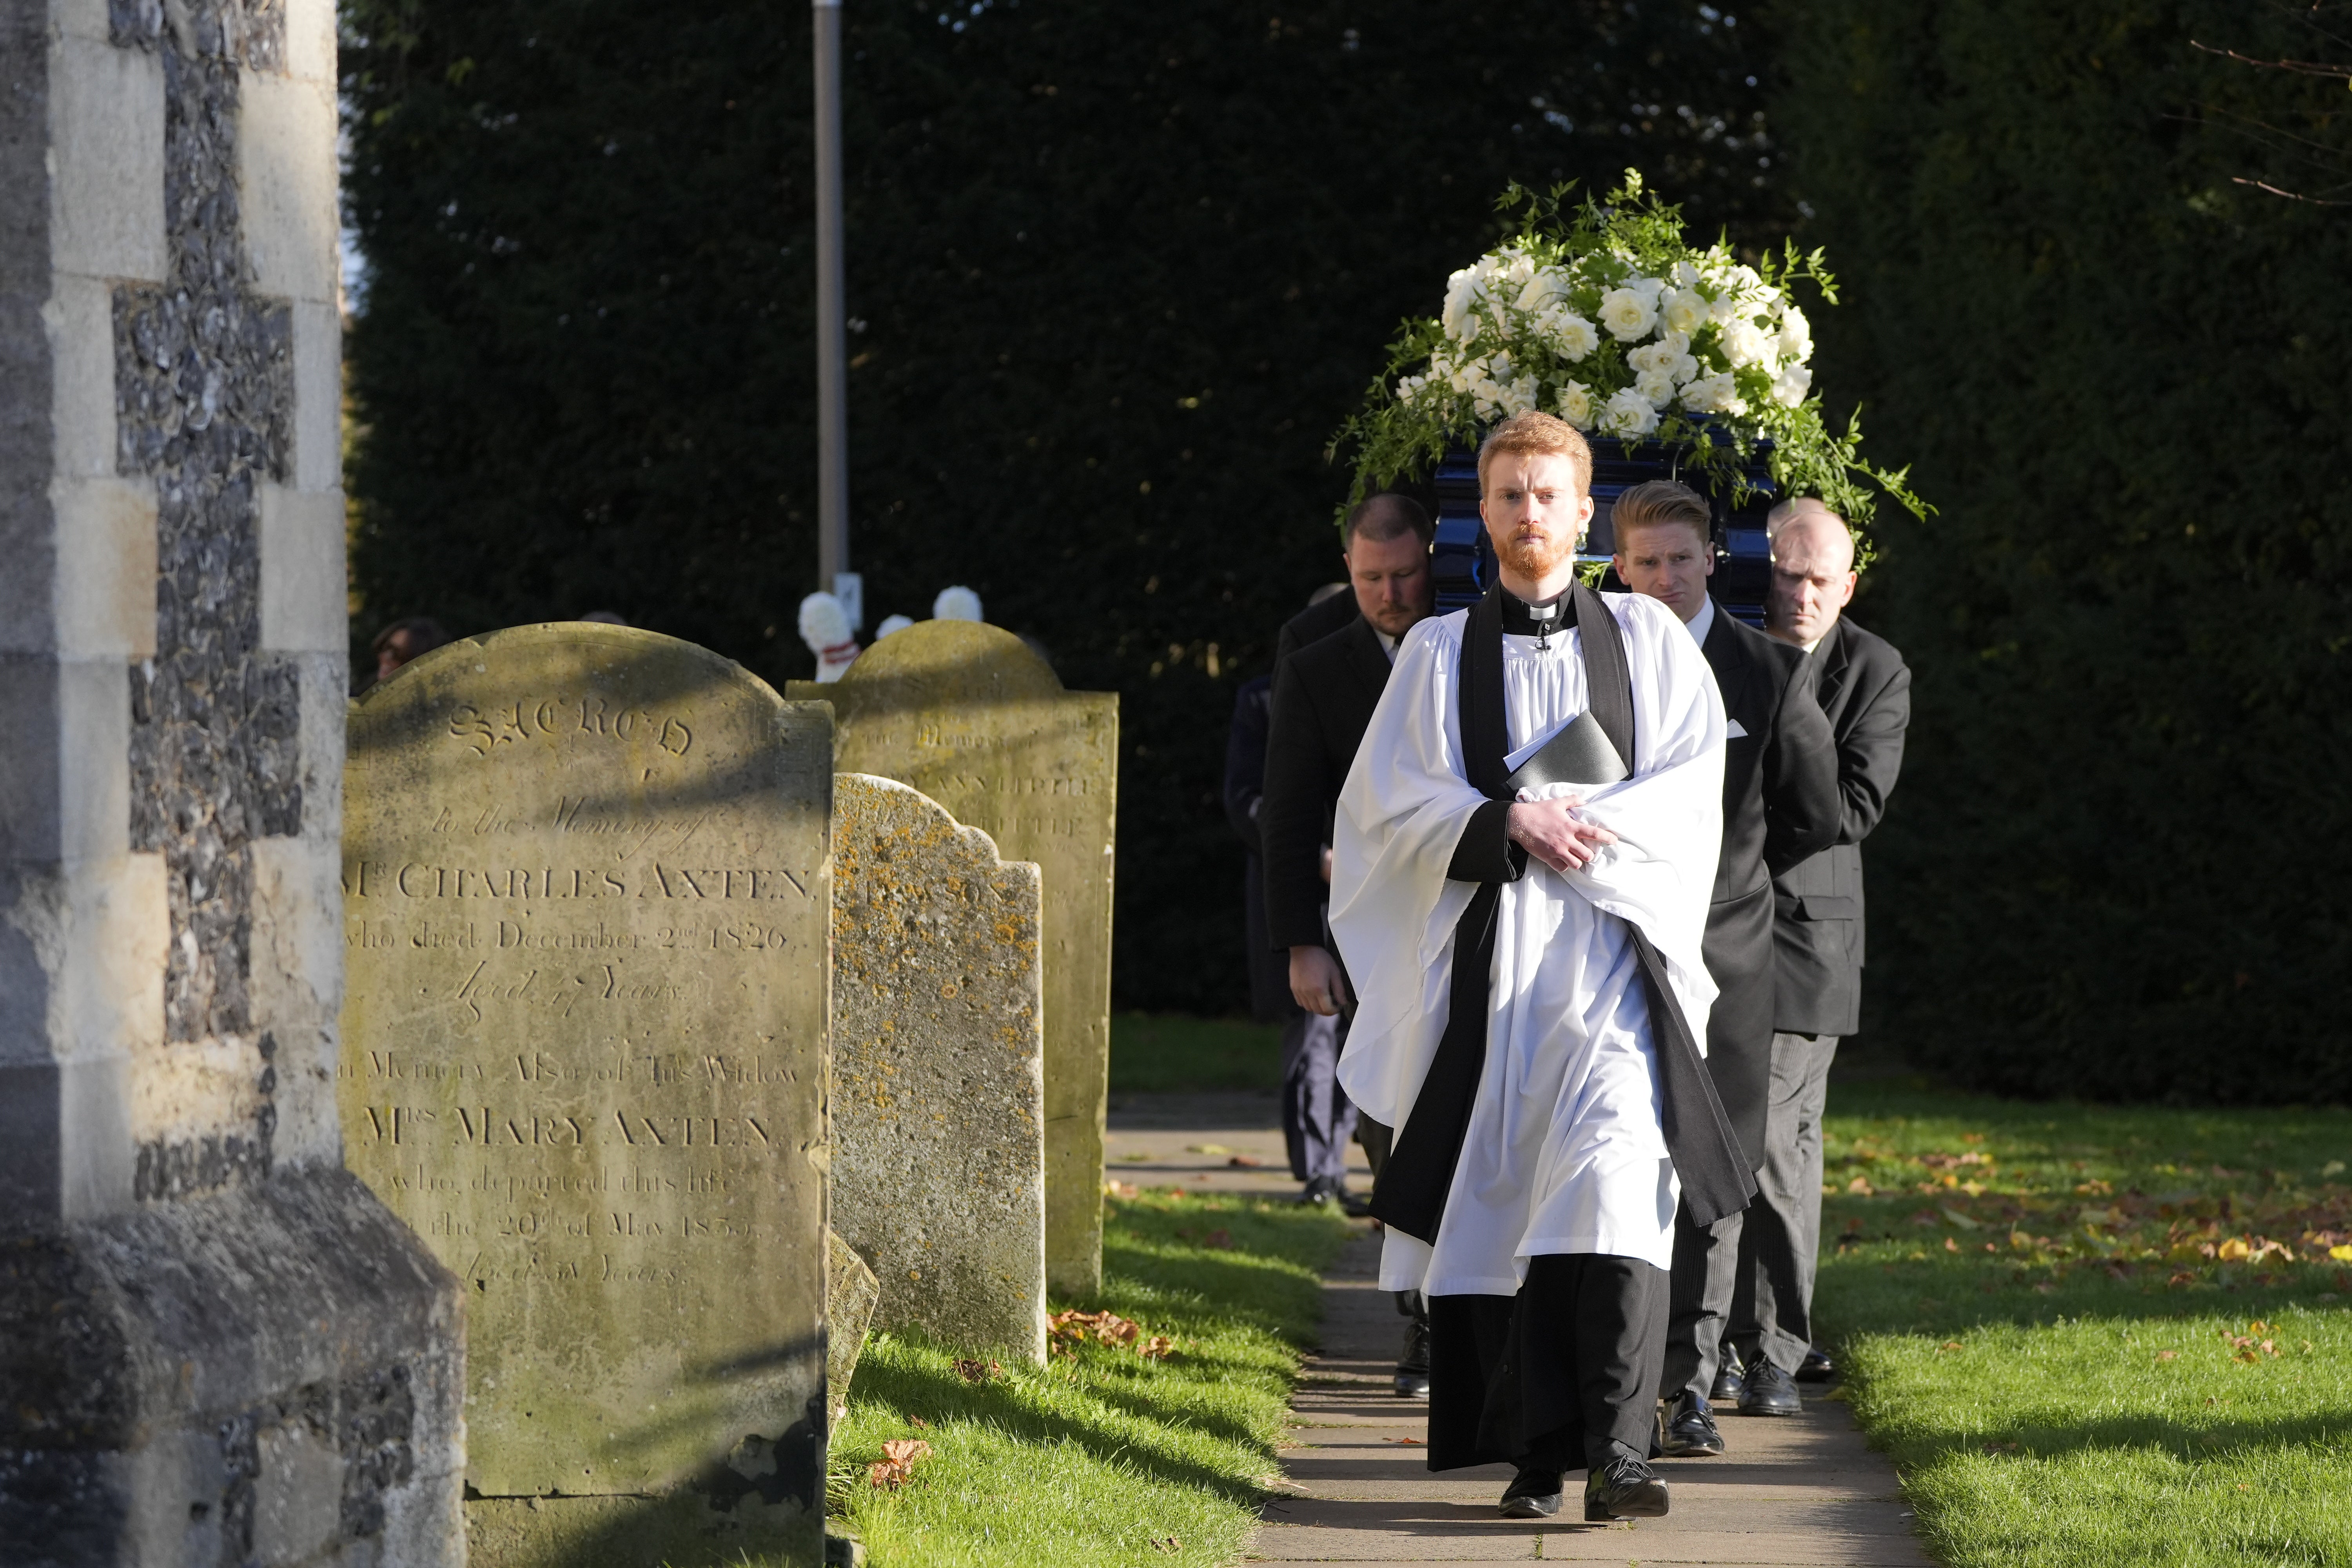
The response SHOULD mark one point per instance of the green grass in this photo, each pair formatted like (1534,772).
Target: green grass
(2094,1335)
(1155,1053)
(1101,1458)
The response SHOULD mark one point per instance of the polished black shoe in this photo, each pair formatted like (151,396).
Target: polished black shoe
(1623,1489)
(1413,1363)
(1817,1367)
(1770,1392)
(1686,1429)
(1727,1382)
(1534,1493)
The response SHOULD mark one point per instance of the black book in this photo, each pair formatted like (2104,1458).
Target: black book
(1578,754)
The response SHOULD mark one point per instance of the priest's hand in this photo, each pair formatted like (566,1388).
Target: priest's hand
(1316,982)
(1548,830)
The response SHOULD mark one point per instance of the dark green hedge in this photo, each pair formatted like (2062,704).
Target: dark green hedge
(2119,863)
(1123,268)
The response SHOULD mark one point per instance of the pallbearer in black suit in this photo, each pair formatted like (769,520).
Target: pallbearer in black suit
(1324,694)
(1779,805)
(1864,690)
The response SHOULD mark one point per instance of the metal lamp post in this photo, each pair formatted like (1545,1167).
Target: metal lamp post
(832,328)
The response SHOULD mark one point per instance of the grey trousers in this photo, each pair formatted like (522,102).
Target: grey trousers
(1699,1301)
(1317,1119)
(1772,1309)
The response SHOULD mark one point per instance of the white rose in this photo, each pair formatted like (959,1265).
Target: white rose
(1744,343)
(1628,412)
(1649,288)
(1461,289)
(1686,275)
(1575,404)
(1796,335)
(1656,385)
(1573,337)
(1500,367)
(1714,394)
(1546,286)
(1520,397)
(1789,388)
(1627,315)
(1687,311)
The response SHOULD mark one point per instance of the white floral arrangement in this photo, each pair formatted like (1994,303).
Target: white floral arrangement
(1607,316)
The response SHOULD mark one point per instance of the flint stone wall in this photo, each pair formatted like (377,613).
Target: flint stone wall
(214,1346)
(938,1167)
(965,713)
(587,912)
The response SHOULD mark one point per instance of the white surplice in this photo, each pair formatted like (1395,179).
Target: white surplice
(1565,1152)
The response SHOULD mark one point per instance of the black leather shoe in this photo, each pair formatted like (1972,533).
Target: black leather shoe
(1817,1367)
(1623,1489)
(1727,1382)
(1770,1392)
(1412,1361)
(1534,1493)
(1686,1429)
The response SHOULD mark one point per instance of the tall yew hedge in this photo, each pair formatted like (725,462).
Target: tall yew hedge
(2120,860)
(1121,270)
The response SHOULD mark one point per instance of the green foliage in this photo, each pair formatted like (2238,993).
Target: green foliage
(2051,1393)
(1121,270)
(2115,865)
(1707,360)
(1102,1457)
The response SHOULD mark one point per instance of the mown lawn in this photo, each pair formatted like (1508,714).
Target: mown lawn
(1169,1052)
(2094,1336)
(1102,1457)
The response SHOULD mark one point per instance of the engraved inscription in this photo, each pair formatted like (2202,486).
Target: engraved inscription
(484,729)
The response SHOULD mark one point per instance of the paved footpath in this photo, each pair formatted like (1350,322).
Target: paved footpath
(1796,1490)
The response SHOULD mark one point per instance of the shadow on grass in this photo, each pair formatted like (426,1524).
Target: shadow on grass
(2199,1442)
(1008,1405)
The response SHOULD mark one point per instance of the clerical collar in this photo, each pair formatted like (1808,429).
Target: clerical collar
(1538,621)
(1704,622)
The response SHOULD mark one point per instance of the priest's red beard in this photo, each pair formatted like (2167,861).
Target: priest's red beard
(1535,559)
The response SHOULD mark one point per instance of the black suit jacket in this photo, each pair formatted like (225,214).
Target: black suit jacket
(1864,689)
(1313,624)
(1324,695)
(1270,1000)
(1779,806)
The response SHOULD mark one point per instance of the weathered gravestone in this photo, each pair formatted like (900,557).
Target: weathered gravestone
(587,895)
(939,1163)
(968,715)
(216,1346)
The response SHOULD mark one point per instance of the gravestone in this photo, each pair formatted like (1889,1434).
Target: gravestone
(939,1162)
(965,713)
(216,1346)
(586,893)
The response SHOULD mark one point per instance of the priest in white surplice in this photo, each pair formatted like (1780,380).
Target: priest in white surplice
(1531,1000)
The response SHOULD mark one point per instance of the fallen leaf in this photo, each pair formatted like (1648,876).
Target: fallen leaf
(1207,1149)
(1159,1347)
(1119,1189)
(1957,1218)
(1246,1163)
(1222,1240)
(1860,1185)
(1168,1543)
(2341,1254)
(1950,1345)
(1414,1442)
(1950,1246)
(2168,1355)
(896,1465)
(2333,1168)
(979,1371)
(918,1421)
(2233,1250)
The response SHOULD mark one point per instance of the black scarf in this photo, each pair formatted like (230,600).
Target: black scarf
(1410,1192)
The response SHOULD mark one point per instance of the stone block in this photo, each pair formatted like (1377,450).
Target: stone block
(105,567)
(318,462)
(850,1294)
(297,1485)
(310,40)
(587,906)
(297,954)
(106,189)
(965,713)
(938,1078)
(286,183)
(304,589)
(78,319)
